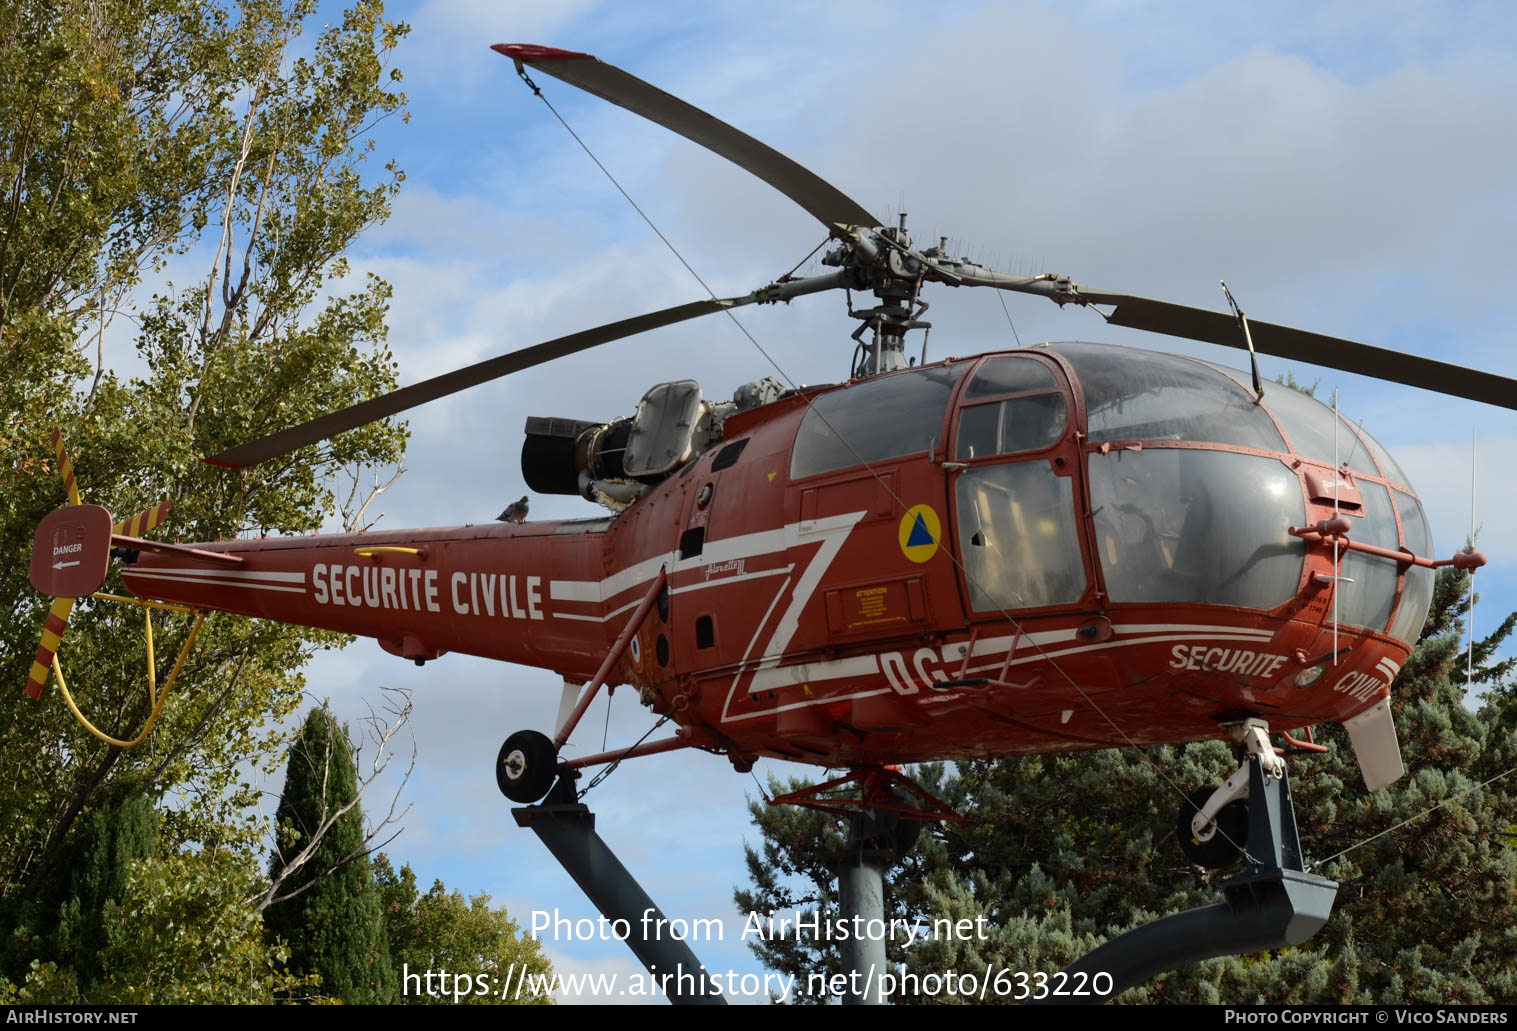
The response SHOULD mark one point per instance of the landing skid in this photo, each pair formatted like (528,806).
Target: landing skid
(1273,904)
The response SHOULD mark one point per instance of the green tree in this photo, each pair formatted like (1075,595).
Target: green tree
(327,907)
(134,133)
(183,933)
(1065,851)
(441,930)
(64,923)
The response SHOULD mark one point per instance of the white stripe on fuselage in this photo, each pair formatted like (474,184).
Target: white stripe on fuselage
(748,545)
(234,574)
(744,546)
(770,679)
(214,581)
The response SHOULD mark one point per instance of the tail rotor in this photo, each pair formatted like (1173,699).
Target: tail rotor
(71,555)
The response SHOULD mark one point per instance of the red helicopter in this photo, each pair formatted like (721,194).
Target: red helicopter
(1065,547)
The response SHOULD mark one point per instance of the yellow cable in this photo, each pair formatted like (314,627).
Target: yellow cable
(157,703)
(145,604)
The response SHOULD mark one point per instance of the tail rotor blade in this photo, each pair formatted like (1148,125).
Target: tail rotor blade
(52,634)
(66,468)
(143,521)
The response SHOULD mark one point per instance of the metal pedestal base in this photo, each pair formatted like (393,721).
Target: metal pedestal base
(568,829)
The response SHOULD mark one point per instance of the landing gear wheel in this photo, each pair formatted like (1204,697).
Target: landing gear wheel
(526,766)
(1229,831)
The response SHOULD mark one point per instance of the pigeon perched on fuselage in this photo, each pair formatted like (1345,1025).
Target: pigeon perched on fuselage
(515,512)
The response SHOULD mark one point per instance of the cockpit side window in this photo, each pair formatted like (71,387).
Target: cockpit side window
(1193,525)
(1031,414)
(1016,530)
(886,417)
(1029,423)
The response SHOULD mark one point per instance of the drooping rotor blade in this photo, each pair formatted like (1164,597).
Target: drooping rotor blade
(451,382)
(493,368)
(1281,341)
(1303,346)
(824,201)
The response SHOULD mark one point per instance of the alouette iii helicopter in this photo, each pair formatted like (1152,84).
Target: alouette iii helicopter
(1064,547)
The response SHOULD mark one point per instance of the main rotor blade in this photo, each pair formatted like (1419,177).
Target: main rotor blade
(1302,346)
(823,200)
(451,382)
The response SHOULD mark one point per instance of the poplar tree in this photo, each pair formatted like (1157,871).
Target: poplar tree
(1063,852)
(179,184)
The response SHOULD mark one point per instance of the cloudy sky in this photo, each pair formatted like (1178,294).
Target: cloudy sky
(1348,168)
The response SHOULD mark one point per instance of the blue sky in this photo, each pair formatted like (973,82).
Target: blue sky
(1346,167)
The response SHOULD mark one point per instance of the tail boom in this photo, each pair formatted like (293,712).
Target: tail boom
(481,590)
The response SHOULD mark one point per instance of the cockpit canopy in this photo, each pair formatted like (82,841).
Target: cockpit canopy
(1192,482)
(1219,517)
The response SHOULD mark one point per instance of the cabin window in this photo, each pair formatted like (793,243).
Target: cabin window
(1143,395)
(886,417)
(728,456)
(1190,525)
(1417,591)
(1018,536)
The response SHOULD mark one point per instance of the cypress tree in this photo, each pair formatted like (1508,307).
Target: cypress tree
(1062,852)
(335,927)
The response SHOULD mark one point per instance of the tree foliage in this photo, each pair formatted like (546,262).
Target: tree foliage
(330,913)
(1063,852)
(179,182)
(441,930)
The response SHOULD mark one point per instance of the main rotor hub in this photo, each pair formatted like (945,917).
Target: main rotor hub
(883,261)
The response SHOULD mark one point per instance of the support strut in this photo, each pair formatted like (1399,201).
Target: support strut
(612,658)
(1273,904)
(871,850)
(568,829)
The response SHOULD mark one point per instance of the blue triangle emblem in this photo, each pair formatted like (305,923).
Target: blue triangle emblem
(919,534)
